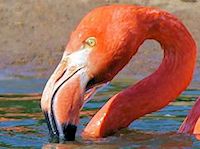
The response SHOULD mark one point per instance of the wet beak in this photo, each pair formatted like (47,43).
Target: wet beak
(63,95)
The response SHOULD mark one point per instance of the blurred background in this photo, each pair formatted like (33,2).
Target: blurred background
(33,36)
(34,33)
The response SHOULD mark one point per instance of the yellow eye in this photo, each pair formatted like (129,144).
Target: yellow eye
(91,41)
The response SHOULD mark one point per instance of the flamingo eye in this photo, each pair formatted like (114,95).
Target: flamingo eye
(91,41)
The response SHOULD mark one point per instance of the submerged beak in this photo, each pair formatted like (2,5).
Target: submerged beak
(63,95)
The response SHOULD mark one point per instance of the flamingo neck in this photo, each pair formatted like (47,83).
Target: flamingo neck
(176,70)
(191,123)
(157,90)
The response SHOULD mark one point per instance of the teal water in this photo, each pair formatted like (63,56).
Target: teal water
(22,124)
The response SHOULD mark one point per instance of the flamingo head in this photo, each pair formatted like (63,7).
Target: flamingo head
(98,49)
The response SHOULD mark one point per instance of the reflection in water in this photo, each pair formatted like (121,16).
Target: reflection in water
(131,139)
(22,124)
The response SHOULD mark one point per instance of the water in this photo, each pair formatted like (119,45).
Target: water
(22,124)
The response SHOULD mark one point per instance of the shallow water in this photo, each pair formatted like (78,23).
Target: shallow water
(22,124)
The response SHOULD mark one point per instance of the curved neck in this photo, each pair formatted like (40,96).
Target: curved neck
(176,70)
(157,90)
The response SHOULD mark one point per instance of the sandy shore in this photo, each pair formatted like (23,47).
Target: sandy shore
(34,34)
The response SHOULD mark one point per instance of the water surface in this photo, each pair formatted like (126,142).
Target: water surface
(22,124)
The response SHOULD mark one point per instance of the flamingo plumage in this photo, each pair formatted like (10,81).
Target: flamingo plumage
(191,124)
(102,44)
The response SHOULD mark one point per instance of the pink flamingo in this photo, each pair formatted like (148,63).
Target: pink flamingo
(101,45)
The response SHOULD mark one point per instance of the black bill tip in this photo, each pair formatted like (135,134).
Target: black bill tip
(69,131)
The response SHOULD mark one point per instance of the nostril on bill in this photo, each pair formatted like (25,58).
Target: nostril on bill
(69,131)
(61,75)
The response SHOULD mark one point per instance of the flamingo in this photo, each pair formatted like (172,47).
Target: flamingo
(191,124)
(102,44)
